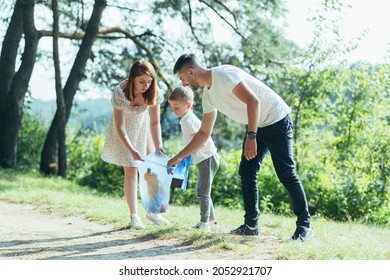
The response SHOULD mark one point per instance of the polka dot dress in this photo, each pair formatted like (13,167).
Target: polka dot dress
(137,125)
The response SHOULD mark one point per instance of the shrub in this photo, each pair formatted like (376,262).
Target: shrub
(30,142)
(86,168)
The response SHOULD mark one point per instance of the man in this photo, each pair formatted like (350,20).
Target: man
(247,100)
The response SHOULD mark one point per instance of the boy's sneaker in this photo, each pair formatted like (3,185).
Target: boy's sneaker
(213,225)
(135,222)
(302,234)
(156,218)
(202,226)
(245,230)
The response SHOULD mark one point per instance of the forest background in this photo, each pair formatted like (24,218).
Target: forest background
(341,110)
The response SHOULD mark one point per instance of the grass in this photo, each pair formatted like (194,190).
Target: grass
(333,240)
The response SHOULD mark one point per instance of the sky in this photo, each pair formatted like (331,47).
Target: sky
(370,16)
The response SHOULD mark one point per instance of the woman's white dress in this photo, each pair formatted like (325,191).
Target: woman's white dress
(137,125)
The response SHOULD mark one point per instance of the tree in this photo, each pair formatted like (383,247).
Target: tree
(13,86)
(49,156)
(61,108)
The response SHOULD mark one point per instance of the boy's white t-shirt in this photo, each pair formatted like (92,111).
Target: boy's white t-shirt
(190,125)
(220,97)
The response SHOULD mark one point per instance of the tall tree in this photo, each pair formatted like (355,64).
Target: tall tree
(13,86)
(61,108)
(49,156)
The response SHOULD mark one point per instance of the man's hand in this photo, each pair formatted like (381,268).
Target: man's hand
(250,150)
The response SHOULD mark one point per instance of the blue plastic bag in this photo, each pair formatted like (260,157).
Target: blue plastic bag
(180,174)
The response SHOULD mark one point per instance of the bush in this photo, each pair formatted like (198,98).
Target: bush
(30,142)
(86,168)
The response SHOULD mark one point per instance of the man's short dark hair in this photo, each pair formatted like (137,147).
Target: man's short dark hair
(187,59)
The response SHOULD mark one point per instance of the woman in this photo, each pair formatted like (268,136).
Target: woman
(133,132)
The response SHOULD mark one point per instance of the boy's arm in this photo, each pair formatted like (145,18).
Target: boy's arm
(199,138)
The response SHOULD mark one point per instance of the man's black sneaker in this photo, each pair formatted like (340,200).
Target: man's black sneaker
(245,230)
(302,234)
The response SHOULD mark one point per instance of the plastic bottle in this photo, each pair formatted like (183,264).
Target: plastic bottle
(152,181)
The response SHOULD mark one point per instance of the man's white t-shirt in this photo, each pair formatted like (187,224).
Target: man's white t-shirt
(190,125)
(220,97)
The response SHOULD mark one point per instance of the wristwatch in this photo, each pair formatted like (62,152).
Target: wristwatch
(251,135)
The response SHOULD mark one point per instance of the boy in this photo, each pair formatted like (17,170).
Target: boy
(206,158)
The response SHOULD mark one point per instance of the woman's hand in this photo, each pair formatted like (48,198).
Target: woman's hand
(136,155)
(161,149)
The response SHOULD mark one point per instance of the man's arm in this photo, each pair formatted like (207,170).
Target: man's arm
(243,92)
(199,138)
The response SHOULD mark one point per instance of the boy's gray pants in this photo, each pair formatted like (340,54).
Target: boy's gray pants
(206,172)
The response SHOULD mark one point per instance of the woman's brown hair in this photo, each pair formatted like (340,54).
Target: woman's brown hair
(139,68)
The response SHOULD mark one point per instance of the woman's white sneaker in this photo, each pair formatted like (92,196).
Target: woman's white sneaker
(135,222)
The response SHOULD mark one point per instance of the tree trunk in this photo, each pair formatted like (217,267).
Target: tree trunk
(49,156)
(14,86)
(59,94)
(9,52)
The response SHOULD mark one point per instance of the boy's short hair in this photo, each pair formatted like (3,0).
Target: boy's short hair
(182,94)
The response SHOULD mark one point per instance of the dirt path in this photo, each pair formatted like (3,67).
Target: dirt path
(29,234)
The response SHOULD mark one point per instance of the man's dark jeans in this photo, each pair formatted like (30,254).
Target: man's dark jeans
(278,140)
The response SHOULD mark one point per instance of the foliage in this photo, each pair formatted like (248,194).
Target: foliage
(30,142)
(341,132)
(86,167)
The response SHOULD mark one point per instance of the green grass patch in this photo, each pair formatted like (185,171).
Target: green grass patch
(332,241)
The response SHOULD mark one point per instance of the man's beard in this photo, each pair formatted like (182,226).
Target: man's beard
(195,86)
